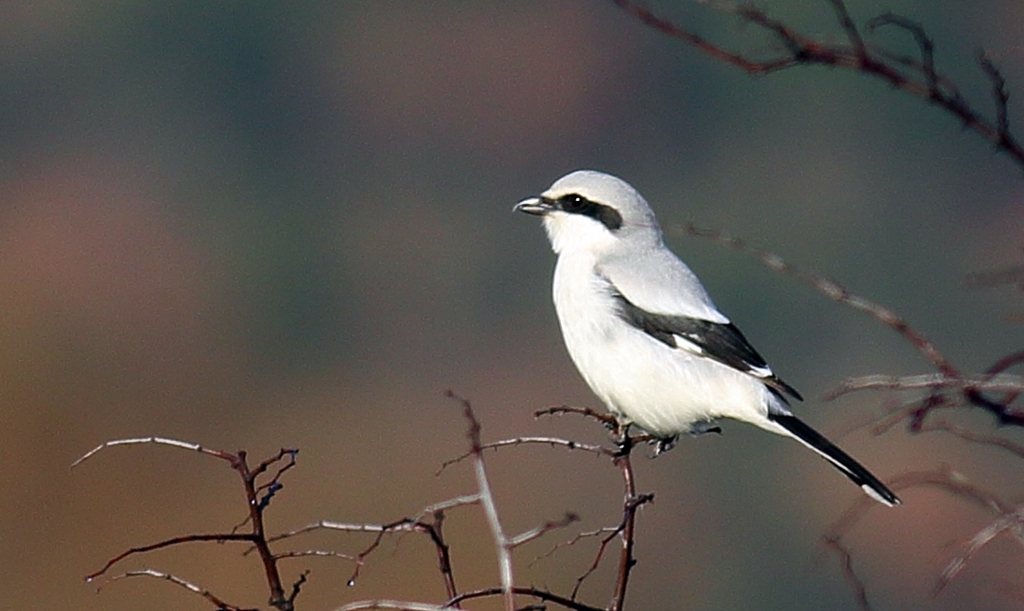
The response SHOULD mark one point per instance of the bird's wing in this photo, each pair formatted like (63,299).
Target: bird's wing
(655,280)
(685,327)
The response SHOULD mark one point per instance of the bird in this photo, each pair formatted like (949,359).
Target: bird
(645,335)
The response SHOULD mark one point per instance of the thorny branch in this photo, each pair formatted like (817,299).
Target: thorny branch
(504,543)
(256,504)
(625,531)
(916,77)
(995,391)
(969,389)
(263,480)
(420,524)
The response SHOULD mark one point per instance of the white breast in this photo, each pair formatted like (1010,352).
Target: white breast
(661,389)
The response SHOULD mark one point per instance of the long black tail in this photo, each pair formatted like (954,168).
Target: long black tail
(841,460)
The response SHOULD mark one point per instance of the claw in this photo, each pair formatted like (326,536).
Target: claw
(664,445)
(623,442)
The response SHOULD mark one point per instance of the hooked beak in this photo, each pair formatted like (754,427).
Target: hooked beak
(534,205)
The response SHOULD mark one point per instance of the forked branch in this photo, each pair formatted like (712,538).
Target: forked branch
(916,77)
(258,496)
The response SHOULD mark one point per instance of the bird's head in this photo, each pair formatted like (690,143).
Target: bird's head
(588,210)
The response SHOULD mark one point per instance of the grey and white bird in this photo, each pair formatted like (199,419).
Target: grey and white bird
(644,333)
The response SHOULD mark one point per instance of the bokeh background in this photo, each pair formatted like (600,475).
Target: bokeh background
(265,224)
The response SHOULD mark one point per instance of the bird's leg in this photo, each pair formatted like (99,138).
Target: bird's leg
(620,437)
(664,444)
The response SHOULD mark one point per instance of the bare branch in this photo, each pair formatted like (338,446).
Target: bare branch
(185,445)
(316,553)
(296,588)
(540,531)
(924,42)
(329,525)
(218,537)
(610,534)
(178,581)
(860,591)
(632,502)
(273,485)
(1008,521)
(836,292)
(612,530)
(846,22)
(920,80)
(501,541)
(551,441)
(533,592)
(257,537)
(944,479)
(391,605)
(999,94)
(667,27)
(603,417)
(444,560)
(928,381)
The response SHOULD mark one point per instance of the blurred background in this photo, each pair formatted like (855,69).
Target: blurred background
(264,224)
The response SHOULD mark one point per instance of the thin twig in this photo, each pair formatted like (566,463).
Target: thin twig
(860,591)
(551,441)
(257,536)
(178,581)
(297,587)
(391,605)
(408,526)
(533,592)
(924,43)
(176,443)
(317,553)
(218,537)
(927,381)
(1010,520)
(607,530)
(667,27)
(999,94)
(918,80)
(846,22)
(501,542)
(943,478)
(837,292)
(444,559)
(558,410)
(540,531)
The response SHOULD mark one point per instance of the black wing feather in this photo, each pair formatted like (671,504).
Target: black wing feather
(722,342)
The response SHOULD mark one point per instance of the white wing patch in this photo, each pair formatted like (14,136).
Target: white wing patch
(685,344)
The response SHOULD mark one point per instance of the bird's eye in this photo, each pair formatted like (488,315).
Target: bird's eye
(573,202)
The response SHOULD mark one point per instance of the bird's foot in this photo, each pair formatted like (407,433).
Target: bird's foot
(664,444)
(620,437)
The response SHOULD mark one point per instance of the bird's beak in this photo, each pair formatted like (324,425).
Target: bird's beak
(534,205)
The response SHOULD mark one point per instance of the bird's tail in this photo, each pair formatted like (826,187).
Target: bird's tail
(840,459)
